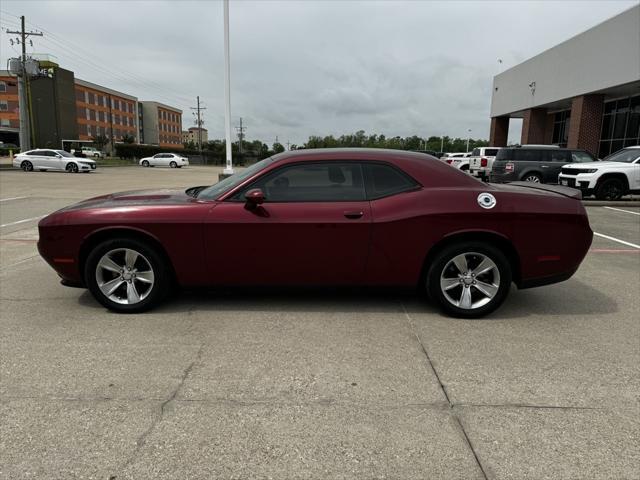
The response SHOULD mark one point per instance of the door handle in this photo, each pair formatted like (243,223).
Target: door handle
(354,214)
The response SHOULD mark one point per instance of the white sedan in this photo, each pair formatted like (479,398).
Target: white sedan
(43,160)
(172,160)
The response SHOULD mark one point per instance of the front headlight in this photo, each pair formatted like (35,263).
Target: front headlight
(591,170)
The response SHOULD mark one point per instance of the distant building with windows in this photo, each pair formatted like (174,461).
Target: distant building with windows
(67,109)
(583,93)
(162,124)
(191,135)
(101,111)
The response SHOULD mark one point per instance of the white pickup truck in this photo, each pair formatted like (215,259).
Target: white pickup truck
(91,152)
(481,161)
(610,179)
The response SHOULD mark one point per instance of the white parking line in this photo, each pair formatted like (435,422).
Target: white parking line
(12,198)
(621,210)
(629,244)
(22,221)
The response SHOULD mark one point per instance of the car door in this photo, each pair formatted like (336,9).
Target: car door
(50,159)
(551,168)
(312,229)
(156,160)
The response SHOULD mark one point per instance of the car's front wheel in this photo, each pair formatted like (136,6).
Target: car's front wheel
(145,163)
(469,279)
(27,166)
(127,275)
(610,189)
(71,167)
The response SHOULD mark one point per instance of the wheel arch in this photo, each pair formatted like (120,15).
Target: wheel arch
(98,236)
(493,238)
(617,175)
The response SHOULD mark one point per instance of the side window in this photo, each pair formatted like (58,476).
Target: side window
(490,152)
(312,182)
(560,156)
(529,155)
(385,180)
(581,157)
(48,153)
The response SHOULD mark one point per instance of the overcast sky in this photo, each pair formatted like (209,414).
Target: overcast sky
(301,68)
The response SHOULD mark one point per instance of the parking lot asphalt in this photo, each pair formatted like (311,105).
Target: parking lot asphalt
(366,385)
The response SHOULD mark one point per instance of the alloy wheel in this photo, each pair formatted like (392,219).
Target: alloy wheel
(125,276)
(27,166)
(532,179)
(72,168)
(173,164)
(470,280)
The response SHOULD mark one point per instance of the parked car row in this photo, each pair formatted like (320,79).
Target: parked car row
(617,175)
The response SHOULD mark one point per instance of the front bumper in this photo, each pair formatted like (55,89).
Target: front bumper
(586,182)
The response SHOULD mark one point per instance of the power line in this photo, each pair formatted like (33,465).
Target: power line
(240,130)
(199,121)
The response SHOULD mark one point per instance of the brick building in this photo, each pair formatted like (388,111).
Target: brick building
(583,93)
(67,109)
(9,114)
(191,135)
(105,112)
(161,125)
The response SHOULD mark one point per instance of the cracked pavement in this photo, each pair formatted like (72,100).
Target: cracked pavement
(233,384)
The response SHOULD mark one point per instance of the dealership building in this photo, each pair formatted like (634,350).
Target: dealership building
(583,93)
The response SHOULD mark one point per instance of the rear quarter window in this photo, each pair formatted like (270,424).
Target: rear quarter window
(385,180)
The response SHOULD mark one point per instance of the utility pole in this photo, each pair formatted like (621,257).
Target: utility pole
(199,123)
(240,130)
(442,143)
(26,122)
(288,144)
(468,135)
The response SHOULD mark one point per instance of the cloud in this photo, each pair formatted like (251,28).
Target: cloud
(308,67)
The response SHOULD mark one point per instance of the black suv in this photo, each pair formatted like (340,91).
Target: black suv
(534,164)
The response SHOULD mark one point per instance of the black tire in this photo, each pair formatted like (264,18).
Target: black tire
(26,166)
(71,167)
(532,177)
(145,163)
(161,271)
(610,189)
(474,251)
(173,164)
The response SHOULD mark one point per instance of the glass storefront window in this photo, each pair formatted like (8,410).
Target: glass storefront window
(620,125)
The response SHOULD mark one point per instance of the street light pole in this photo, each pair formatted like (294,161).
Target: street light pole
(468,135)
(227,92)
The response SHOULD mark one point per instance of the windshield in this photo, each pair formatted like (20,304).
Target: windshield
(626,156)
(214,191)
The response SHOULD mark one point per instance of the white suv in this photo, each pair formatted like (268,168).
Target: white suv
(459,160)
(615,176)
(481,161)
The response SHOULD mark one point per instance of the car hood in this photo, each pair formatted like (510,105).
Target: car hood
(599,165)
(173,196)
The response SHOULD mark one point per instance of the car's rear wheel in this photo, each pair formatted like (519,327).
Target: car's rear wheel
(127,275)
(469,279)
(71,167)
(173,164)
(610,189)
(533,178)
(145,163)
(27,166)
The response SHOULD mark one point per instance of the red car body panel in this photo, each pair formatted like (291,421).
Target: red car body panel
(220,242)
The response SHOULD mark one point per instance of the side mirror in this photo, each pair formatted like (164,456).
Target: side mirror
(254,197)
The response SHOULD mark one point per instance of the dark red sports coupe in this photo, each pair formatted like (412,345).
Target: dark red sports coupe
(324,217)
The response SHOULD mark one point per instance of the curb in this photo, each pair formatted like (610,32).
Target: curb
(604,203)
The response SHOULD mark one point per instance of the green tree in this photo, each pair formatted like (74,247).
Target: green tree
(278,147)
(128,139)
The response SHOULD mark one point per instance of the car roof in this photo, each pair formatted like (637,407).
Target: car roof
(426,169)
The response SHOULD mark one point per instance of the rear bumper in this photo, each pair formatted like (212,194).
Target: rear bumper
(548,280)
